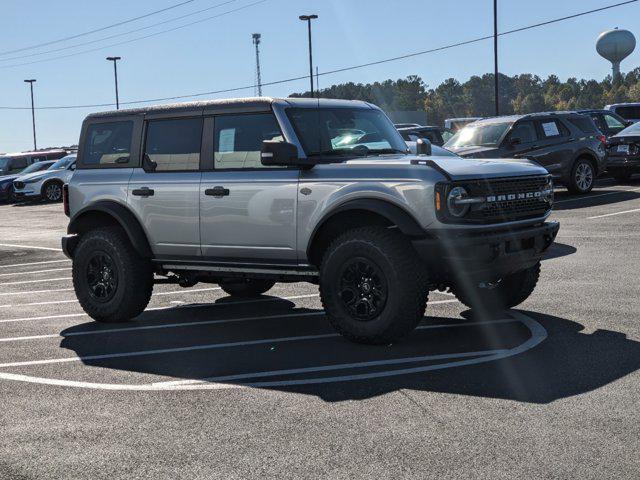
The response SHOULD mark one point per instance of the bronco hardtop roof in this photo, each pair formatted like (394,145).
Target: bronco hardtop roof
(249,104)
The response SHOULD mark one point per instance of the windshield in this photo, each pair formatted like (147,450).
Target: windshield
(36,167)
(63,163)
(479,135)
(630,130)
(345,132)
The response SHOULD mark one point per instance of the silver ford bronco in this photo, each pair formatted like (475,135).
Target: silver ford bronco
(248,192)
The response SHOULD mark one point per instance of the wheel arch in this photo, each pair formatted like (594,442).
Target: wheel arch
(109,213)
(358,213)
(588,155)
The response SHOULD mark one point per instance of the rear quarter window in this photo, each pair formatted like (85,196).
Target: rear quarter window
(584,124)
(107,144)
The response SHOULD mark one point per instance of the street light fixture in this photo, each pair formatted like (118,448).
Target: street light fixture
(115,74)
(33,112)
(308,18)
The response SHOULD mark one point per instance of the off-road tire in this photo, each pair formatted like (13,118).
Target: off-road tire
(134,276)
(52,191)
(573,185)
(622,176)
(248,288)
(397,262)
(510,291)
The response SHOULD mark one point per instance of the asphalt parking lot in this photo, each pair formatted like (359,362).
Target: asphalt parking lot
(201,386)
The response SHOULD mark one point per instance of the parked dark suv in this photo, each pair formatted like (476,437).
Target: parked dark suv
(433,134)
(609,123)
(567,144)
(624,153)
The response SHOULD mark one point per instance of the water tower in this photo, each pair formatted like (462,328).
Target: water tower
(616,45)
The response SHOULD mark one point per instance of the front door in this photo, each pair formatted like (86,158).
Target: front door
(247,210)
(165,192)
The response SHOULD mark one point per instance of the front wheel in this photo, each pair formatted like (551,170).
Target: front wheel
(372,286)
(505,293)
(247,288)
(583,177)
(52,192)
(112,282)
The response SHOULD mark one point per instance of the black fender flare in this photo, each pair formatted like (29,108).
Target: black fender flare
(122,215)
(405,222)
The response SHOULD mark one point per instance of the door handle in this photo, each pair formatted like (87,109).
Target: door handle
(217,192)
(143,192)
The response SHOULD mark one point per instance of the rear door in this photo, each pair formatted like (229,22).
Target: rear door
(164,192)
(247,210)
(555,144)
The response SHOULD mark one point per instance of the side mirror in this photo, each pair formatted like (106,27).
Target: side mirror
(281,154)
(515,141)
(423,146)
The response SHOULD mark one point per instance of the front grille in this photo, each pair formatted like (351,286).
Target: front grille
(504,202)
(18,184)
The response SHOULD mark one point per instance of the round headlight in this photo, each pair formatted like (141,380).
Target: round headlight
(455,208)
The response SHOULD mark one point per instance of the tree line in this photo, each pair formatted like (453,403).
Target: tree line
(519,94)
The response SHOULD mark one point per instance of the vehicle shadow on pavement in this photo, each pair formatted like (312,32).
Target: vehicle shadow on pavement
(271,344)
(558,250)
(596,198)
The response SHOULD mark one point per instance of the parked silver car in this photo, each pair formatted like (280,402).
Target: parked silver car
(47,184)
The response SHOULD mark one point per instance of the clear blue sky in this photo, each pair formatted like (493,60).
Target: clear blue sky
(218,53)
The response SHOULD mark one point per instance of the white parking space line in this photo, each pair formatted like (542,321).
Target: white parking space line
(537,331)
(41,280)
(15,265)
(613,214)
(30,247)
(173,325)
(56,302)
(31,292)
(35,271)
(243,343)
(617,192)
(195,305)
(328,368)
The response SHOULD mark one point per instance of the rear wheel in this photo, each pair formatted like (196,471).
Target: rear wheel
(372,286)
(583,176)
(52,191)
(247,288)
(112,282)
(505,293)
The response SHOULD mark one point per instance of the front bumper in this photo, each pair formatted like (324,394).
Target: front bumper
(484,256)
(69,244)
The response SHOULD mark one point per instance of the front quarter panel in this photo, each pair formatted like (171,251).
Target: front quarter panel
(326,187)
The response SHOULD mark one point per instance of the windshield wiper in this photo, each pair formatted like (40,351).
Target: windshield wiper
(338,152)
(382,151)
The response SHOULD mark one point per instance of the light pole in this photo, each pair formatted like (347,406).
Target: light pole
(308,18)
(33,112)
(115,74)
(495,56)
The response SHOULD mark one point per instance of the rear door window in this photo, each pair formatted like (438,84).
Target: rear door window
(173,145)
(108,144)
(18,164)
(612,122)
(552,129)
(631,112)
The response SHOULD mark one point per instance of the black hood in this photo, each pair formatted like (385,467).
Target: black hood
(476,151)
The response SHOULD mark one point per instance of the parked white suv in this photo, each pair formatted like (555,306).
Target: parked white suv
(47,184)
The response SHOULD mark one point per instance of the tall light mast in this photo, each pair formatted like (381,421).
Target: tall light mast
(256,42)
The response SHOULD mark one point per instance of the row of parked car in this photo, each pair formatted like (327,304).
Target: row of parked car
(35,175)
(575,147)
